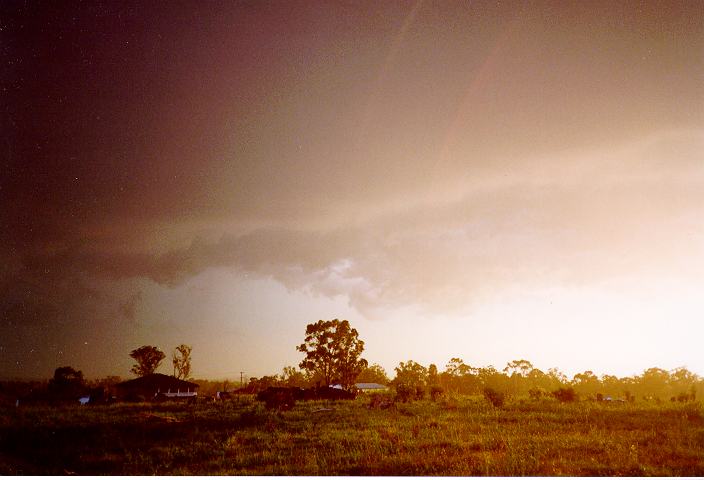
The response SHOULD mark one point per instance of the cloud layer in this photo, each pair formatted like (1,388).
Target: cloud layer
(629,213)
(395,154)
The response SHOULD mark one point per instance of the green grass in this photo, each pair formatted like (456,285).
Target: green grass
(460,436)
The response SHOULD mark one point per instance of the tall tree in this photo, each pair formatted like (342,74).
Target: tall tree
(333,352)
(148,359)
(587,383)
(374,373)
(411,374)
(433,377)
(518,367)
(66,381)
(457,368)
(181,360)
(292,377)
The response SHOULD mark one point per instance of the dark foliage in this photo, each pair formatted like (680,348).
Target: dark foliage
(285,397)
(494,397)
(333,352)
(436,392)
(565,394)
(405,393)
(148,359)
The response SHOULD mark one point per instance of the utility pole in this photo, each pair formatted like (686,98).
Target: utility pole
(241,379)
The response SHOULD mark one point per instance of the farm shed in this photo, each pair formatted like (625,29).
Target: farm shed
(371,387)
(365,387)
(149,386)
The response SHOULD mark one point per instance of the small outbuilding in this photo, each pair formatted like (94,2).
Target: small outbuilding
(156,385)
(371,387)
(365,387)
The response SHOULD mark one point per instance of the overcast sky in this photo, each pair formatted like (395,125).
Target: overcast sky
(482,180)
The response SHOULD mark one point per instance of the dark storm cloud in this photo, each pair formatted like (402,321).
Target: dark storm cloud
(634,217)
(393,152)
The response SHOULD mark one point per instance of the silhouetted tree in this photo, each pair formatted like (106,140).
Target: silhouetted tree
(653,383)
(611,385)
(411,374)
(333,352)
(181,360)
(292,377)
(67,382)
(518,367)
(565,394)
(682,381)
(258,384)
(494,397)
(374,374)
(538,379)
(460,377)
(106,382)
(148,360)
(556,379)
(433,377)
(457,368)
(586,383)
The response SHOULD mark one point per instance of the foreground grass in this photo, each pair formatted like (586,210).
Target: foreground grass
(464,436)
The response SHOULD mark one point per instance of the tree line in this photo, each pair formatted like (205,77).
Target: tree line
(654,384)
(333,355)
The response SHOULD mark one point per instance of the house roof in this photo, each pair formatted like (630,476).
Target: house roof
(370,386)
(363,386)
(158,381)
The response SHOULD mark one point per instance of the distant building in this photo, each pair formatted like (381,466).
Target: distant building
(156,384)
(371,387)
(365,387)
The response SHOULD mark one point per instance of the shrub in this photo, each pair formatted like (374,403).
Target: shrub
(436,392)
(277,398)
(565,394)
(377,401)
(685,397)
(404,392)
(494,397)
(536,393)
(420,392)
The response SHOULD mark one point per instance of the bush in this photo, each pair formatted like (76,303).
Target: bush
(420,392)
(536,393)
(436,392)
(382,402)
(494,397)
(565,394)
(134,398)
(404,393)
(685,397)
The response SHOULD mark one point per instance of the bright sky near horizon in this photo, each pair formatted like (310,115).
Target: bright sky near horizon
(476,180)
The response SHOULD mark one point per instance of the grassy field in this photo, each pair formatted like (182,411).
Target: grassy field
(456,436)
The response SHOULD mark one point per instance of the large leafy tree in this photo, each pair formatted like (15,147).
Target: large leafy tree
(460,377)
(181,361)
(66,382)
(411,374)
(518,367)
(148,359)
(333,352)
(292,377)
(374,373)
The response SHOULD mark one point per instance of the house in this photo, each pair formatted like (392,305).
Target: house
(371,387)
(156,384)
(365,387)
